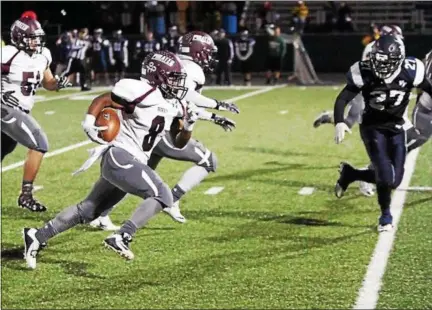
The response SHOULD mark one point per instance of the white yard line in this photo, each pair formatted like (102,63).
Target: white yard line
(369,292)
(306,191)
(71,95)
(214,190)
(37,188)
(80,144)
(417,188)
(49,154)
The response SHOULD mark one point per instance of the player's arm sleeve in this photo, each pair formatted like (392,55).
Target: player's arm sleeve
(352,88)
(201,101)
(204,114)
(46,52)
(345,96)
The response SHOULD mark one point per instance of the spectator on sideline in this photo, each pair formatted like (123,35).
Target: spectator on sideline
(225,56)
(300,14)
(244,47)
(344,18)
(275,55)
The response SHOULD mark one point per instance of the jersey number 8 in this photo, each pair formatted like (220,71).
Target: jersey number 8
(157,126)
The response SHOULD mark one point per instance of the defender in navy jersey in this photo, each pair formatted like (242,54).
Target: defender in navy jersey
(99,52)
(119,54)
(385,81)
(244,47)
(170,41)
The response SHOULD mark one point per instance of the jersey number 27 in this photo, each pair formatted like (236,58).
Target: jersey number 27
(381,97)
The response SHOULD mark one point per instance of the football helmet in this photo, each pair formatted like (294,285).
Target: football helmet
(392,30)
(387,56)
(201,48)
(27,34)
(164,70)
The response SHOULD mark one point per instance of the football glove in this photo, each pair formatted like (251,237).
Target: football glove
(8,98)
(62,82)
(91,130)
(340,130)
(226,106)
(225,123)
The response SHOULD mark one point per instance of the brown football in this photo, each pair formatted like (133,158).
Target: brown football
(108,117)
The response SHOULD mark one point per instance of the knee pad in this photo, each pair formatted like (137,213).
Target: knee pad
(41,140)
(211,164)
(164,196)
(88,211)
(384,178)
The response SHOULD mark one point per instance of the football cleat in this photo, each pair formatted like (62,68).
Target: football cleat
(385,223)
(31,246)
(366,189)
(119,243)
(342,183)
(325,117)
(174,212)
(104,223)
(26,200)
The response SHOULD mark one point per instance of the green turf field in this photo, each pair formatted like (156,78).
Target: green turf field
(257,244)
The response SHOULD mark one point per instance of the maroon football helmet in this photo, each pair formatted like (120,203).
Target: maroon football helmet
(200,47)
(164,70)
(393,30)
(27,34)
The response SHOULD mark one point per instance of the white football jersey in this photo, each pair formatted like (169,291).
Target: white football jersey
(142,129)
(23,73)
(367,50)
(195,78)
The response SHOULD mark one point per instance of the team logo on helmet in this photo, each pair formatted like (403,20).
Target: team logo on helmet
(20,25)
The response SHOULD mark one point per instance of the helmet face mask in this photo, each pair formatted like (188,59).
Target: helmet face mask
(387,56)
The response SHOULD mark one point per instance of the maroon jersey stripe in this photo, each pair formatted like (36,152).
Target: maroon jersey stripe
(5,68)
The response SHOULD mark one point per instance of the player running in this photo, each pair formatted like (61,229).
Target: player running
(356,106)
(24,66)
(196,53)
(385,81)
(146,117)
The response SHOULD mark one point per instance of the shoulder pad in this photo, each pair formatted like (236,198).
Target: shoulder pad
(194,72)
(354,75)
(7,52)
(46,52)
(415,70)
(136,92)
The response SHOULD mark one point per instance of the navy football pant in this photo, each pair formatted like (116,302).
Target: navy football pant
(387,152)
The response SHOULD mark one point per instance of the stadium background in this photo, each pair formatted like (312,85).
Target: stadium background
(331,48)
